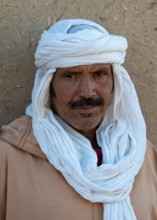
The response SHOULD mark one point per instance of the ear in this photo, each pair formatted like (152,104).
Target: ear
(52,96)
(51,91)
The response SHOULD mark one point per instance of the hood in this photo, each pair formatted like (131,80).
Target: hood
(19,134)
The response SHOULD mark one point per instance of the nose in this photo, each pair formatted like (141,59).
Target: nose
(86,87)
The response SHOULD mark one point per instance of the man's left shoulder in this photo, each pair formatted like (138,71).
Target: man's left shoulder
(144,191)
(151,155)
(148,172)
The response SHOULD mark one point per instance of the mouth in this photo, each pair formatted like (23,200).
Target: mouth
(85,110)
(86,107)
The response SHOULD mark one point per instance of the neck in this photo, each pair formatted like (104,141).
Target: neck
(90,135)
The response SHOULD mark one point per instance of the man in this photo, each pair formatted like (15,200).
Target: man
(80,153)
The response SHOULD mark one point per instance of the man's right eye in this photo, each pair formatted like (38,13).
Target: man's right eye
(70,75)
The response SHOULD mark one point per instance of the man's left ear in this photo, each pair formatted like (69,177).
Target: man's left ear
(111,98)
(113,79)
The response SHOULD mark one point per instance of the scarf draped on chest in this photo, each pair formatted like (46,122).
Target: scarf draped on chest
(121,134)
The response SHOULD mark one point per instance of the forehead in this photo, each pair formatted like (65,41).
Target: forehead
(89,68)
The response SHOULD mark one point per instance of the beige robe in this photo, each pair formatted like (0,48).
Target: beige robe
(32,189)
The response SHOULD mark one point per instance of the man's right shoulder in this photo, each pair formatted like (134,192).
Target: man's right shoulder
(20,136)
(13,133)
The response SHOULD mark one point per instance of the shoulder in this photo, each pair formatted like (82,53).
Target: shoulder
(13,133)
(151,156)
(148,174)
(15,128)
(145,186)
(19,135)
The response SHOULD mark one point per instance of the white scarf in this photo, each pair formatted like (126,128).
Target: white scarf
(121,134)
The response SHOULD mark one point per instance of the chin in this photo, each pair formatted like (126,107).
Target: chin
(86,126)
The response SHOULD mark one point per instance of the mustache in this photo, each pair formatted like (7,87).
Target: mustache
(85,102)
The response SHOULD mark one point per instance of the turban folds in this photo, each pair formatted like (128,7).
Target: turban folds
(67,46)
(121,134)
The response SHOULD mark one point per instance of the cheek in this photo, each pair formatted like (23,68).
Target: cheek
(59,104)
(64,90)
(106,91)
(65,95)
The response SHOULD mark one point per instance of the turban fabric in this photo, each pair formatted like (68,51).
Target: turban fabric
(121,134)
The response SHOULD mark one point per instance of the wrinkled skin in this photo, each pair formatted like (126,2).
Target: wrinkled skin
(87,82)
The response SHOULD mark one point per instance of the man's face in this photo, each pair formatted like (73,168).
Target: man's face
(82,94)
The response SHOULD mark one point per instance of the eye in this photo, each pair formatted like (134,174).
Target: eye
(70,75)
(100,73)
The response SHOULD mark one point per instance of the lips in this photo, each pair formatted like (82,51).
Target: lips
(85,109)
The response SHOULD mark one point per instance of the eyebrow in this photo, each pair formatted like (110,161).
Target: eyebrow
(74,70)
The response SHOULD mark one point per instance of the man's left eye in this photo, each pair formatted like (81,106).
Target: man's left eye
(100,73)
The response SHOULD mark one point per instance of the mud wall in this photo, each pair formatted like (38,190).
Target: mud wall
(21,23)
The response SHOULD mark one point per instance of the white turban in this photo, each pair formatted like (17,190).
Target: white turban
(121,134)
